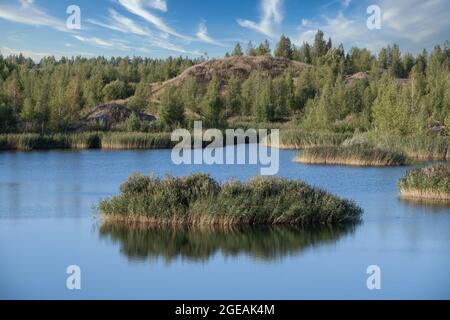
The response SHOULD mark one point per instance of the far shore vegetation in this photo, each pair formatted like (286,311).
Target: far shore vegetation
(317,94)
(198,200)
(430,183)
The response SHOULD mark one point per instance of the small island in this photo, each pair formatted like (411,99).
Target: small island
(354,155)
(199,200)
(430,183)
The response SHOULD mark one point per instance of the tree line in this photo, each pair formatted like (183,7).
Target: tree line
(358,90)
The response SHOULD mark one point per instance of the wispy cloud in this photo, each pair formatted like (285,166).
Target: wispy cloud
(26,12)
(417,20)
(121,23)
(415,24)
(271,15)
(108,44)
(138,8)
(202,34)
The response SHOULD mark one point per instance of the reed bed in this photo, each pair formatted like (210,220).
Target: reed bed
(199,200)
(431,183)
(32,141)
(136,140)
(86,140)
(354,155)
(421,148)
(301,139)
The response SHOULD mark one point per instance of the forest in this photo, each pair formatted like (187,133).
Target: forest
(341,92)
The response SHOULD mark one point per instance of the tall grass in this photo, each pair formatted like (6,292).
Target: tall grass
(355,155)
(199,200)
(415,147)
(32,141)
(302,139)
(85,140)
(431,183)
(136,140)
(139,241)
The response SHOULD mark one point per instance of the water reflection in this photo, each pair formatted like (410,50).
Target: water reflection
(141,242)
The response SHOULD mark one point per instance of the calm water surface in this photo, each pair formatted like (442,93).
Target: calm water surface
(48,222)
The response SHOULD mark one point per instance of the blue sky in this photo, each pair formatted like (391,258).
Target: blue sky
(160,28)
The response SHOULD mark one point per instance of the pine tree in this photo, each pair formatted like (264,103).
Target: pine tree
(213,107)
(234,96)
(171,112)
(237,52)
(284,48)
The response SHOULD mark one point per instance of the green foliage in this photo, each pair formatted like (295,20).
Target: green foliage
(200,200)
(358,154)
(116,90)
(171,111)
(430,182)
(284,48)
(213,106)
(7,118)
(237,51)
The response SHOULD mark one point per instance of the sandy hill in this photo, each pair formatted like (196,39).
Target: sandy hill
(240,67)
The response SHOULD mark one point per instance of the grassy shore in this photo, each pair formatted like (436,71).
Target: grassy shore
(354,155)
(199,200)
(301,139)
(431,183)
(414,147)
(139,241)
(86,140)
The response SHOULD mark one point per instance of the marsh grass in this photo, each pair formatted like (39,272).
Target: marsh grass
(420,148)
(432,183)
(86,140)
(136,140)
(301,139)
(199,200)
(354,155)
(31,141)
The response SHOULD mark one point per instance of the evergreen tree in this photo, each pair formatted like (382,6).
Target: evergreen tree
(234,96)
(171,112)
(237,52)
(284,48)
(213,107)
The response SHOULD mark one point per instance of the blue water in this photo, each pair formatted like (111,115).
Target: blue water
(48,222)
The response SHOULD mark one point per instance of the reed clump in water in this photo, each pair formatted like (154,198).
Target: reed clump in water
(302,139)
(354,155)
(199,200)
(414,147)
(136,140)
(431,183)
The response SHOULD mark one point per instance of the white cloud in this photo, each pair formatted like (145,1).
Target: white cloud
(36,56)
(271,15)
(26,12)
(413,24)
(159,5)
(202,34)
(137,7)
(121,23)
(108,44)
(416,20)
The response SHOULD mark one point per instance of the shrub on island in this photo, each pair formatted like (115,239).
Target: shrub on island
(200,200)
(430,183)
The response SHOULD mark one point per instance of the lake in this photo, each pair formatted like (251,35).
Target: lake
(48,221)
